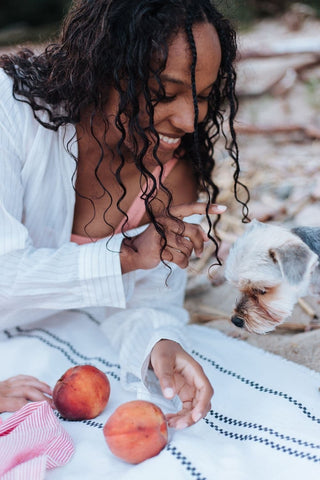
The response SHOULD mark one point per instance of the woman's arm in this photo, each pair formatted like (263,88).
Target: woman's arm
(152,340)
(40,268)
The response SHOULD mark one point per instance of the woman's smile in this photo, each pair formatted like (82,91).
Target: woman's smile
(168,143)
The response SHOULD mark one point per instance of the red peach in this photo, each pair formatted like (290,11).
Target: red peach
(81,393)
(136,430)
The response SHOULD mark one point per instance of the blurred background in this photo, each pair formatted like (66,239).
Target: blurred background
(30,20)
(38,20)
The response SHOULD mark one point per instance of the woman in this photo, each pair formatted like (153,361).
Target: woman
(108,140)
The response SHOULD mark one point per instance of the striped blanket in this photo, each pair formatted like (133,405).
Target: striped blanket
(264,423)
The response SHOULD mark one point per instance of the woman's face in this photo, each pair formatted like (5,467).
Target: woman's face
(174,115)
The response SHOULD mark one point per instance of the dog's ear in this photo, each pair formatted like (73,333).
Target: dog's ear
(294,261)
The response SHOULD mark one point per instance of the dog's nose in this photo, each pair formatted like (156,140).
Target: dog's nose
(237,321)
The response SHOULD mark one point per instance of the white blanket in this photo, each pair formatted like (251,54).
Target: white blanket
(264,423)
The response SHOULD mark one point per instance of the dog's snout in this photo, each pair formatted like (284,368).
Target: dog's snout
(237,321)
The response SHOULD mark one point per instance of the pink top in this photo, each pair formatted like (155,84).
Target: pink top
(137,208)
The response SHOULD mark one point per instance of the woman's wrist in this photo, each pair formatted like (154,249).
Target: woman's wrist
(128,256)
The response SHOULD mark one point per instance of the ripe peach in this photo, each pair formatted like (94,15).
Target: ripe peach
(136,430)
(81,393)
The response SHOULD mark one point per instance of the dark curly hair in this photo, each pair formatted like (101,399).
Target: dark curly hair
(113,43)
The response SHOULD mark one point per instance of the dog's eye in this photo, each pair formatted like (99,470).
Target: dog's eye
(260,291)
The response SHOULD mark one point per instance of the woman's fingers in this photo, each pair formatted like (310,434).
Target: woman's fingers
(195,392)
(29,393)
(201,403)
(181,245)
(197,236)
(178,250)
(21,389)
(163,369)
(199,208)
(27,381)
(185,417)
(191,231)
(182,238)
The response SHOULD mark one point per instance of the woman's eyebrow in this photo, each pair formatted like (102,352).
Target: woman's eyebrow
(178,81)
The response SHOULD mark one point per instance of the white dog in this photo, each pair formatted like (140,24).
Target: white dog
(272,267)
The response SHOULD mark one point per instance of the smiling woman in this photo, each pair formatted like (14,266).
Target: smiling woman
(110,129)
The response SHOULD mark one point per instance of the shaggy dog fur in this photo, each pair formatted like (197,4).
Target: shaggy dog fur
(272,267)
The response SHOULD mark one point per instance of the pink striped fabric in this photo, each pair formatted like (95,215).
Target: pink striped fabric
(32,440)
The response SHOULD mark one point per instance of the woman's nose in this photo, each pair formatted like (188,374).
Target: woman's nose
(184,115)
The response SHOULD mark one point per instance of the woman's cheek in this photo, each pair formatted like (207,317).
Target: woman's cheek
(203,111)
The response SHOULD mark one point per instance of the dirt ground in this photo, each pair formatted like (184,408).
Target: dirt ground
(280,162)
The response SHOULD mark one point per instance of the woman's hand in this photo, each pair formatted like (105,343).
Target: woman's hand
(15,392)
(179,374)
(146,251)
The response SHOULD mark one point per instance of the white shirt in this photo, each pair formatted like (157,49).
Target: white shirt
(43,272)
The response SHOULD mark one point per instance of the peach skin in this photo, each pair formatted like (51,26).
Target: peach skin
(136,431)
(81,393)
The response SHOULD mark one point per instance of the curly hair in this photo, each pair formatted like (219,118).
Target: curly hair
(113,43)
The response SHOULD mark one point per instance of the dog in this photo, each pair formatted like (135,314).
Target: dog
(272,267)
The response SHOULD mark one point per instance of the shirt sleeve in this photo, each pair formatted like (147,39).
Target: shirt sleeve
(68,277)
(154,312)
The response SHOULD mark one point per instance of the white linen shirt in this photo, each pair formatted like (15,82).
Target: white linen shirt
(43,272)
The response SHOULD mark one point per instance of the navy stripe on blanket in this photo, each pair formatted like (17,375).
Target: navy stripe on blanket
(67,350)
(261,428)
(262,440)
(184,461)
(258,387)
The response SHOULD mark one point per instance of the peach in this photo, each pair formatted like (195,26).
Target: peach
(81,393)
(136,430)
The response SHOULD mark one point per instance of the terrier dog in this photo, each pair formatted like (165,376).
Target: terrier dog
(272,267)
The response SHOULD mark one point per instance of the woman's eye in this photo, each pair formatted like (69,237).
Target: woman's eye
(167,98)
(157,98)
(202,98)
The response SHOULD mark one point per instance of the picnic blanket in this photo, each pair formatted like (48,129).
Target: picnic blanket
(264,422)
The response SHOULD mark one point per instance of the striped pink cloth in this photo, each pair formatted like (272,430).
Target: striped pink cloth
(31,441)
